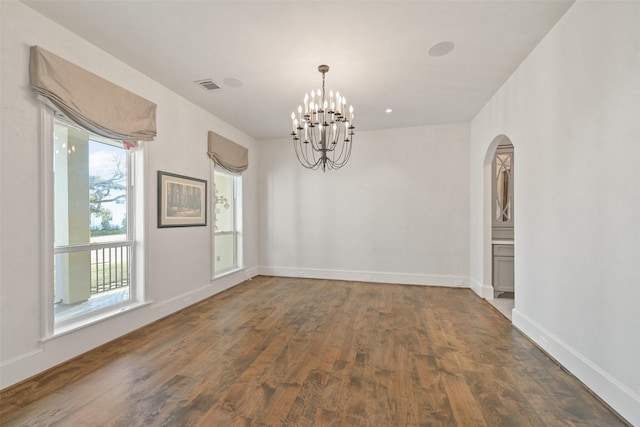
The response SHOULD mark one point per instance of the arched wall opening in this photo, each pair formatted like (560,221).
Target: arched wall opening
(489,232)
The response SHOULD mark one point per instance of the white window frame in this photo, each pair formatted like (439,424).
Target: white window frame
(135,162)
(237,223)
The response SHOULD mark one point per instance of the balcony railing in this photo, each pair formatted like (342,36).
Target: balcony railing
(109,264)
(109,268)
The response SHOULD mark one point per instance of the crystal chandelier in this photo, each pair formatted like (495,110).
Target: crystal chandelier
(322,135)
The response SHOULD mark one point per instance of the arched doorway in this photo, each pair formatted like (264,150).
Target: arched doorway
(499,224)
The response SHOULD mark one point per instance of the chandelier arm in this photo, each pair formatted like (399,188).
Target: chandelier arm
(304,159)
(345,153)
(331,153)
(349,145)
(348,155)
(344,161)
(347,149)
(317,156)
(337,135)
(299,153)
(310,159)
(316,138)
(333,145)
(339,141)
(302,152)
(342,145)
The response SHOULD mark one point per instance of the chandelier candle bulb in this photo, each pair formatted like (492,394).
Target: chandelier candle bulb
(317,135)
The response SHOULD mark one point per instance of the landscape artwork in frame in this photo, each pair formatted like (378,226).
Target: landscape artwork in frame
(182,201)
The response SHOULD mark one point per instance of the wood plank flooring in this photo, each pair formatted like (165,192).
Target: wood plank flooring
(304,352)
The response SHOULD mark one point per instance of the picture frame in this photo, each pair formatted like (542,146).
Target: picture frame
(182,201)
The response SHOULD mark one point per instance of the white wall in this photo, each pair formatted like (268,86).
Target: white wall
(398,212)
(178,264)
(572,111)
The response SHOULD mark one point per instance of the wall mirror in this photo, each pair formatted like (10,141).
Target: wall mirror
(502,191)
(503,199)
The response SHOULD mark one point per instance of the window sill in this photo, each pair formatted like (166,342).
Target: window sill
(227,273)
(92,320)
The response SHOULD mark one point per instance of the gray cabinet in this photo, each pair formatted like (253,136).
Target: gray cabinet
(503,278)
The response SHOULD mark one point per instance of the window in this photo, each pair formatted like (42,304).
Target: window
(93,245)
(227,222)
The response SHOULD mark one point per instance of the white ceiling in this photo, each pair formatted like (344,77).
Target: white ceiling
(377,52)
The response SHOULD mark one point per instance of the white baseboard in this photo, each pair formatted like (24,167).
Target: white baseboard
(215,287)
(487,292)
(483,291)
(368,276)
(618,396)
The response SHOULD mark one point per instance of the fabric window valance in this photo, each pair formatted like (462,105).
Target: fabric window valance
(228,154)
(90,101)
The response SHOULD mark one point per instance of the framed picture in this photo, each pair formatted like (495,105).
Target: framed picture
(182,201)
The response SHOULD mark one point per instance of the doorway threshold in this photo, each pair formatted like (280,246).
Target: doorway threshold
(504,304)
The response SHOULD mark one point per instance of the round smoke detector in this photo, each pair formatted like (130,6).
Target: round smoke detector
(441,48)
(233,82)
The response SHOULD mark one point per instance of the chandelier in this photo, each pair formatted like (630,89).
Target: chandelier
(322,135)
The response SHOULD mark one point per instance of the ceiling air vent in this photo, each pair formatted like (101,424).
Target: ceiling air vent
(207,84)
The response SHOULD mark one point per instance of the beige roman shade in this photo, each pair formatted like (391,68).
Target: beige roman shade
(90,101)
(228,154)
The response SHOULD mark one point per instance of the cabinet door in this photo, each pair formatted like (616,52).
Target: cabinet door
(503,274)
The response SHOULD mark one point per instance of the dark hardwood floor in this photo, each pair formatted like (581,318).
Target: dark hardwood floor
(303,352)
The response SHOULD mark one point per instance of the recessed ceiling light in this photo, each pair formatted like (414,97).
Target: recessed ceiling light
(233,82)
(441,48)
(388,110)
